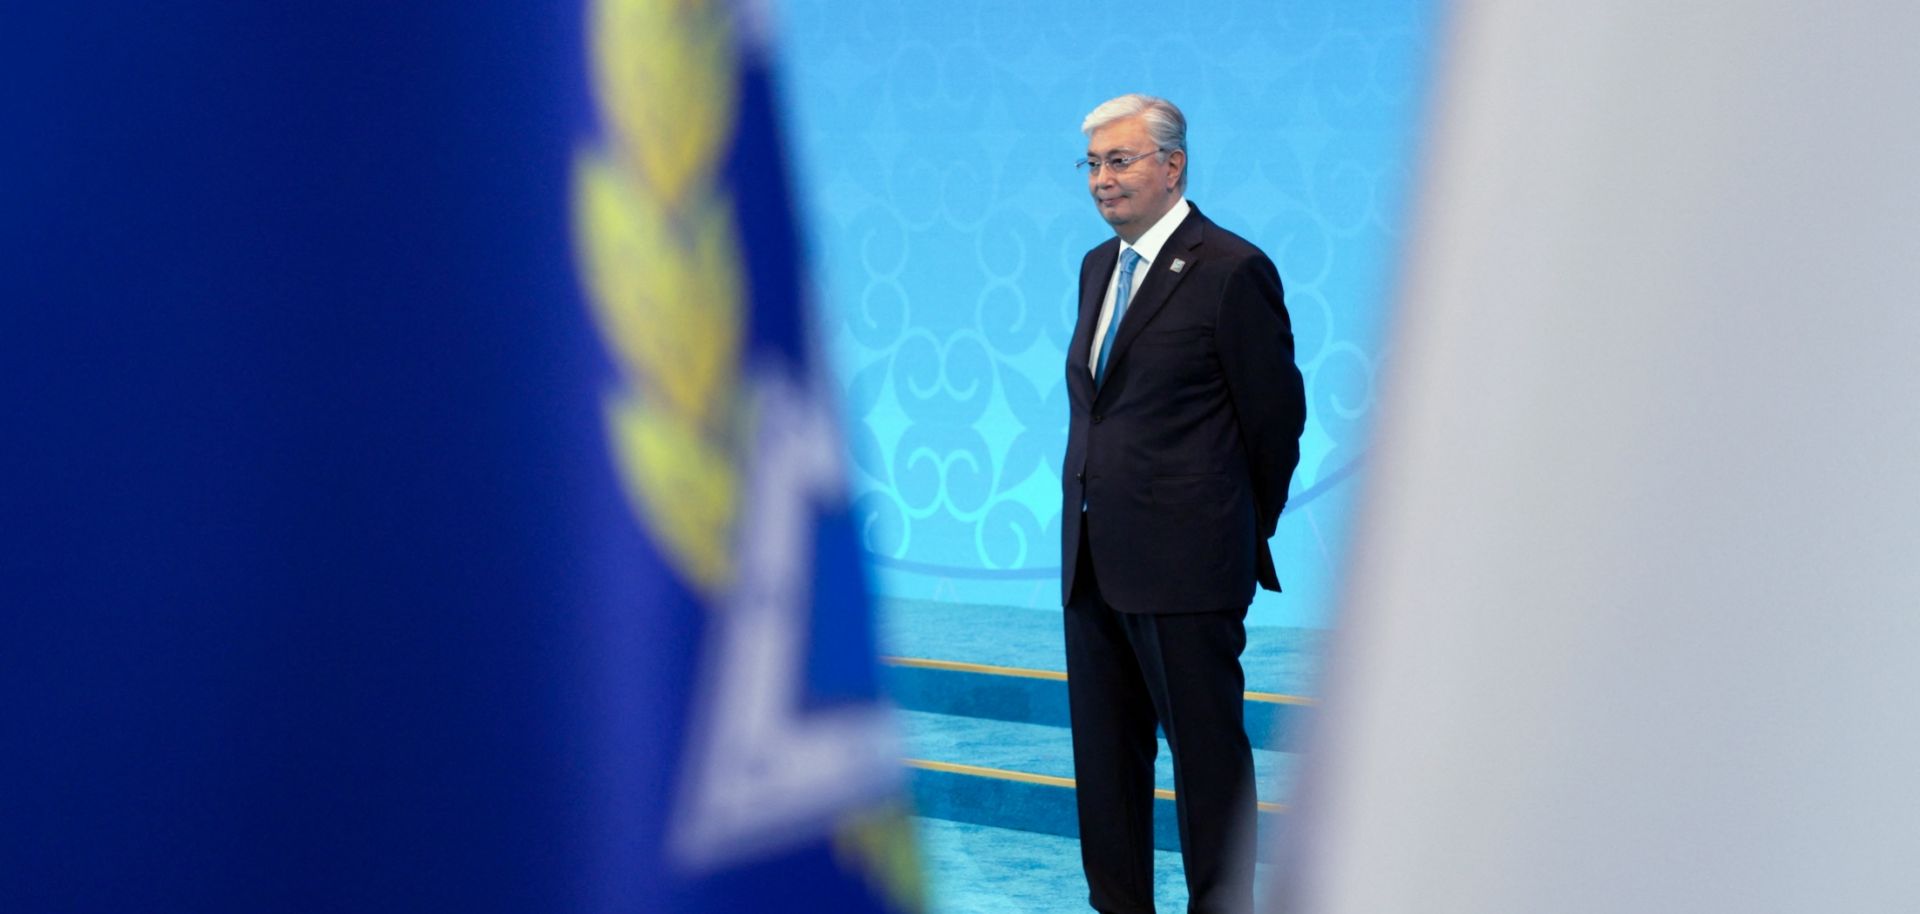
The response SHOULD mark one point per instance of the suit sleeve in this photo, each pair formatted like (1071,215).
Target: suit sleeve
(1255,340)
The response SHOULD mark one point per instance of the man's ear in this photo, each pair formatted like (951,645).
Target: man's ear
(1176,167)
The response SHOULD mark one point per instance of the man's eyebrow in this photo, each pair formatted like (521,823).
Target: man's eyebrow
(1120,151)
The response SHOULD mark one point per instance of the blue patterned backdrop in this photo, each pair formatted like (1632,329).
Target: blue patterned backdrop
(935,144)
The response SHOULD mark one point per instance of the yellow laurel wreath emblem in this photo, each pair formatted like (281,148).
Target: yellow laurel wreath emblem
(882,842)
(661,260)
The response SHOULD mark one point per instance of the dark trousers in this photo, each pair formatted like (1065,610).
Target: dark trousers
(1127,672)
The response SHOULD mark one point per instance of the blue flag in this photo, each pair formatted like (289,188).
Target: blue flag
(421,491)
(721,421)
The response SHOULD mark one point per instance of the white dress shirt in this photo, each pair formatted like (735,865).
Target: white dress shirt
(1148,247)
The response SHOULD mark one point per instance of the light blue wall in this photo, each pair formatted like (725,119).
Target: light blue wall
(935,144)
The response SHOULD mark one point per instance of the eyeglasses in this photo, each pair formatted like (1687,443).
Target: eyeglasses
(1114,164)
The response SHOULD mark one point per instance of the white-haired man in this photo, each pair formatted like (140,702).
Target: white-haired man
(1185,418)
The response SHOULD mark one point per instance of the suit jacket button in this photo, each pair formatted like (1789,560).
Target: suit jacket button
(1079,477)
(1098,419)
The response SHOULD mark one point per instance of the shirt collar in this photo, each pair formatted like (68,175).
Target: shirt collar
(1153,239)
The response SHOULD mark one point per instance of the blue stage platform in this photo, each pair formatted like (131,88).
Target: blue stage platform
(984,714)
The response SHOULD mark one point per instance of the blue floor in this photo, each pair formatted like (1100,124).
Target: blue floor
(975,869)
(1002,844)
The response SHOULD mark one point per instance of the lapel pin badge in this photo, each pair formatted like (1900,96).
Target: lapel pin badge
(1178,265)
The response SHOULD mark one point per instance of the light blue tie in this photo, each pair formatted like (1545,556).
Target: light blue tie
(1129,259)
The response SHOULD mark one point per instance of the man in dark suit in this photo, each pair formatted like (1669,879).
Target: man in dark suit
(1186,413)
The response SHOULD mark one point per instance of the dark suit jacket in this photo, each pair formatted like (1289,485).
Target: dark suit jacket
(1184,454)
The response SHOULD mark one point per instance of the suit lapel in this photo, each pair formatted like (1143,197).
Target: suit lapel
(1093,291)
(1157,288)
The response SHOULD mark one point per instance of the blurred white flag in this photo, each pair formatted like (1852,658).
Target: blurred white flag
(1634,624)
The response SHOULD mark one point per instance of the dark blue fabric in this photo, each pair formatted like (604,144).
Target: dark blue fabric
(318,590)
